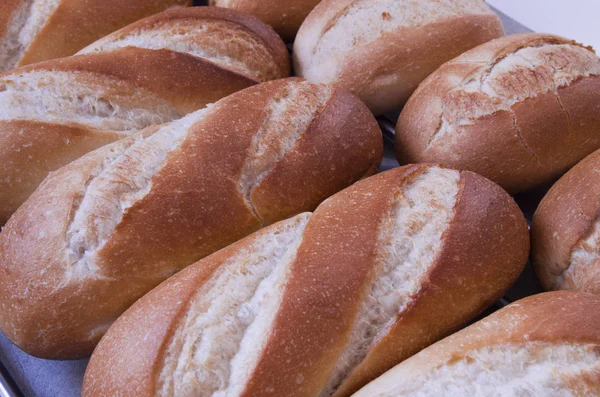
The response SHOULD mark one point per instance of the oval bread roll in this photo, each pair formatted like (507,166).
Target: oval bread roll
(566,230)
(102,231)
(174,63)
(519,110)
(39,30)
(544,345)
(321,304)
(381,50)
(285,16)
(231,40)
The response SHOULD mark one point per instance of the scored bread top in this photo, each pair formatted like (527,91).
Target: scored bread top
(565,230)
(547,344)
(230,39)
(110,226)
(382,49)
(338,298)
(38,30)
(521,99)
(108,94)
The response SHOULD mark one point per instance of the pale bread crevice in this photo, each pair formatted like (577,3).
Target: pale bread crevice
(410,239)
(584,254)
(83,98)
(289,114)
(378,17)
(122,180)
(226,44)
(526,73)
(26,24)
(528,369)
(513,116)
(217,343)
(11,49)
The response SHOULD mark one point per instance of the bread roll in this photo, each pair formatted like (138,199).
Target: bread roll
(519,110)
(104,230)
(38,30)
(231,40)
(320,305)
(54,112)
(544,345)
(285,16)
(381,50)
(566,230)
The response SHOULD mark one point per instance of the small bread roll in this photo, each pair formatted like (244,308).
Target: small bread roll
(520,110)
(381,50)
(566,231)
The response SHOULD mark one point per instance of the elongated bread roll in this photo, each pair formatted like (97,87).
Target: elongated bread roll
(231,40)
(104,230)
(175,62)
(544,345)
(381,50)
(38,30)
(285,16)
(520,110)
(566,230)
(320,305)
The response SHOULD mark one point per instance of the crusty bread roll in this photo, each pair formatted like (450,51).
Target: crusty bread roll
(232,40)
(544,345)
(285,16)
(519,110)
(320,305)
(38,30)
(381,50)
(104,230)
(52,113)
(566,230)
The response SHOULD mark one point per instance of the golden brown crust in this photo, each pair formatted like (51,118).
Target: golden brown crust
(7,11)
(186,81)
(193,209)
(565,216)
(156,315)
(77,23)
(26,158)
(384,73)
(530,143)
(556,318)
(332,273)
(318,180)
(260,31)
(447,301)
(284,16)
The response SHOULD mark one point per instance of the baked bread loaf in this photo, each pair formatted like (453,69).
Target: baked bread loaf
(53,112)
(285,16)
(39,30)
(566,230)
(381,50)
(102,231)
(544,345)
(233,41)
(320,305)
(519,110)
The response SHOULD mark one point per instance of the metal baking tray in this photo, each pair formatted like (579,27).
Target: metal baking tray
(24,376)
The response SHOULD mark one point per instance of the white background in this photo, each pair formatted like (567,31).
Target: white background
(575,19)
